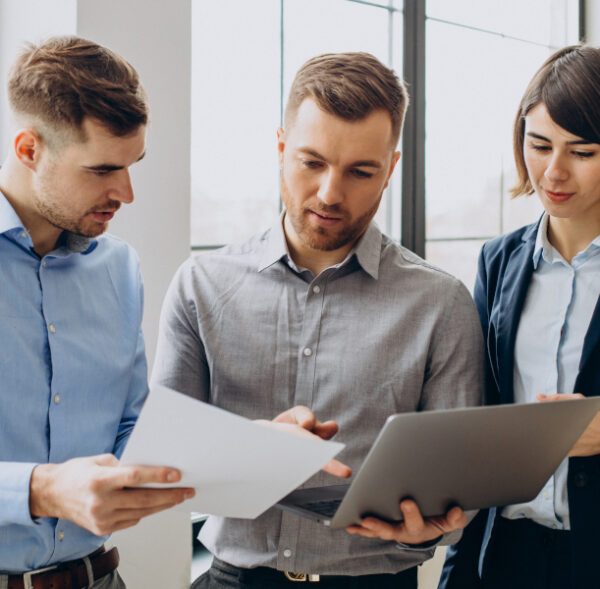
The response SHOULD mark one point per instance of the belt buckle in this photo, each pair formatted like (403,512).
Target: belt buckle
(299,577)
(28,583)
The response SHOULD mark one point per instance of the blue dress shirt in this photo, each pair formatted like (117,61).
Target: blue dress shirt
(555,318)
(73,374)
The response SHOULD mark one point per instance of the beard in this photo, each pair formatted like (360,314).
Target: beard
(323,238)
(82,225)
(62,212)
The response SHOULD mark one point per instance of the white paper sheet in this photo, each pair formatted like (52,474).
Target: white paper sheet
(238,468)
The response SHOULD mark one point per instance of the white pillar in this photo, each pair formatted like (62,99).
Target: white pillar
(592,9)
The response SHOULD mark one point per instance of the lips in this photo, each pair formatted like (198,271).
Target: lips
(323,219)
(558,196)
(103,216)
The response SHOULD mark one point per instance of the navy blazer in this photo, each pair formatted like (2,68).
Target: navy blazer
(503,277)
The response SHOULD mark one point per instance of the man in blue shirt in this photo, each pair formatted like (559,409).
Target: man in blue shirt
(73,368)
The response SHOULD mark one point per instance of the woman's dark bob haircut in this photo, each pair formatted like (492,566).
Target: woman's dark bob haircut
(569,85)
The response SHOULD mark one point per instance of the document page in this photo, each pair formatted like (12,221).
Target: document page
(239,468)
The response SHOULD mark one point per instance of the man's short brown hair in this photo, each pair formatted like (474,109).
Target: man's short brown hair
(62,81)
(350,86)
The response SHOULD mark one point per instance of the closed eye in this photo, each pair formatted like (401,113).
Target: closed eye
(361,173)
(540,147)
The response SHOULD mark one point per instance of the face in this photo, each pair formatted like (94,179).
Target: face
(79,187)
(333,175)
(563,169)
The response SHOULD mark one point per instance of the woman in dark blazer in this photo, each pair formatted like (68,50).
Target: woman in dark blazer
(537,293)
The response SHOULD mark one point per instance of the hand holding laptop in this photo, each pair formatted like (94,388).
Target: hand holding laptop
(414,529)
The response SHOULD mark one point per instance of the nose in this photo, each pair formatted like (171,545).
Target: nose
(330,188)
(123,190)
(556,171)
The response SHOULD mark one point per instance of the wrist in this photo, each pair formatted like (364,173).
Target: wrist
(40,491)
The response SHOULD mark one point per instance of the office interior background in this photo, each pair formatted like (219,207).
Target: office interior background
(217,73)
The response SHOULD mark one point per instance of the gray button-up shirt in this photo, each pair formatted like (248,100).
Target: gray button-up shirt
(382,332)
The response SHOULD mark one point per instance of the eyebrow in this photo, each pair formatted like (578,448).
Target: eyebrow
(359,163)
(576,142)
(111,167)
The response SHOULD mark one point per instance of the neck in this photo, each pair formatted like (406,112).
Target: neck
(16,185)
(570,236)
(312,259)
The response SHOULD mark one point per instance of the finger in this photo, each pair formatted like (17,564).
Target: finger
(456,519)
(564,397)
(326,430)
(134,476)
(360,531)
(133,498)
(299,415)
(337,469)
(106,460)
(379,529)
(413,520)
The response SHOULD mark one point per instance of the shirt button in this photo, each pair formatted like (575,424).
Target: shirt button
(61,535)
(546,495)
(287,553)
(51,328)
(43,263)
(316,289)
(57,399)
(307,352)
(24,234)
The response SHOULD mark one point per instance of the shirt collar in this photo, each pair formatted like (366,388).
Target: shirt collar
(8,216)
(68,242)
(544,249)
(542,245)
(367,249)
(276,246)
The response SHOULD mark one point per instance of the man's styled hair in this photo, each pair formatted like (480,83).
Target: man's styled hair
(350,86)
(568,84)
(62,81)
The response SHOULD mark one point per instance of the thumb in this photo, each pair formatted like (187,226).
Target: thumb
(298,415)
(105,460)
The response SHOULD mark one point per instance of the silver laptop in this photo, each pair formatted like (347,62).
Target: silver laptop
(475,458)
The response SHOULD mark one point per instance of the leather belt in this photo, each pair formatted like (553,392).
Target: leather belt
(68,575)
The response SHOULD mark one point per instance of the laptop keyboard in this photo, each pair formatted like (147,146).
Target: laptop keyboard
(326,508)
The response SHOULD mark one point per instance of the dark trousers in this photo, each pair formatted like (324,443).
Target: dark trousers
(524,555)
(222,575)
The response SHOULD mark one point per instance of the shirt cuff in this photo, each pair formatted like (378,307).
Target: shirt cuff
(14,493)
(424,546)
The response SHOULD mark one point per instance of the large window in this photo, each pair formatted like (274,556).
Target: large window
(467,64)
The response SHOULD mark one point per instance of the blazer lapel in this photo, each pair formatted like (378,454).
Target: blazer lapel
(515,283)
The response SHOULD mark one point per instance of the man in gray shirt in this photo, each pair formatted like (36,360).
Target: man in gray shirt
(323,310)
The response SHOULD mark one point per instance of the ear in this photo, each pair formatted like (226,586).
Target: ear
(395,158)
(280,145)
(28,147)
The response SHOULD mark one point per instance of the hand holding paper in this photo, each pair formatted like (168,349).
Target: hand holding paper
(238,467)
